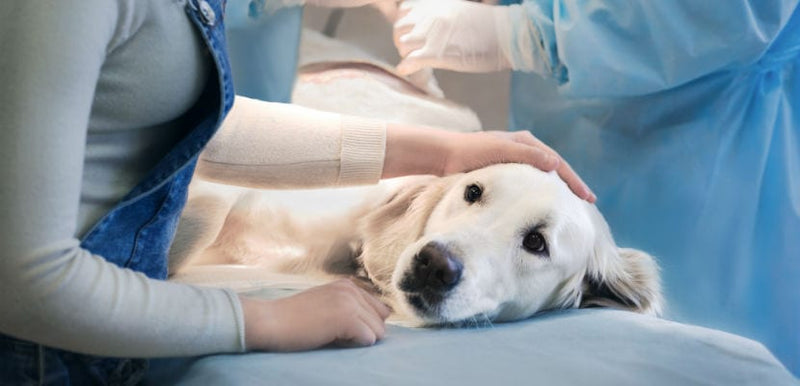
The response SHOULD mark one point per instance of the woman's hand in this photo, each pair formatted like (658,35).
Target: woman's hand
(339,313)
(415,150)
(563,169)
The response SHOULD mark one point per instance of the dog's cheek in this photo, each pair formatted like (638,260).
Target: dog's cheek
(376,267)
(403,265)
(385,232)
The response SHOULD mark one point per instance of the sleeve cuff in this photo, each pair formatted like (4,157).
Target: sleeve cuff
(528,40)
(239,319)
(363,149)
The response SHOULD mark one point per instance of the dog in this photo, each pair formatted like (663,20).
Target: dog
(500,243)
(497,244)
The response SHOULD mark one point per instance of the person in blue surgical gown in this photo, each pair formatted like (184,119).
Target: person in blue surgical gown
(684,118)
(263,47)
(263,39)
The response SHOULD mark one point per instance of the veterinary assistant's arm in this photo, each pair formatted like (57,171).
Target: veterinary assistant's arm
(592,47)
(52,291)
(634,47)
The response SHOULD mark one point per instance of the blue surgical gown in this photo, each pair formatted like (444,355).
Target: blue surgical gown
(684,117)
(263,48)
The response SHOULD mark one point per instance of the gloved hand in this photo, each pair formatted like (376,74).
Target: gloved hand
(455,35)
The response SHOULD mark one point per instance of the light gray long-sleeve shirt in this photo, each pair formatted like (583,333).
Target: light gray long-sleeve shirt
(91,96)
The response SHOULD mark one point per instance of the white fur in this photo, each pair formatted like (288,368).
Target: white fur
(381,229)
(500,281)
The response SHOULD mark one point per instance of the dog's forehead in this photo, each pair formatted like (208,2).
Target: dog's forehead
(519,180)
(533,195)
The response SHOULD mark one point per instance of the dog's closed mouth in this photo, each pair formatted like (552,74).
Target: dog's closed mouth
(429,310)
(426,304)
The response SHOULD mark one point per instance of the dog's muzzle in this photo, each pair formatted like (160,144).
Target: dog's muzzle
(434,271)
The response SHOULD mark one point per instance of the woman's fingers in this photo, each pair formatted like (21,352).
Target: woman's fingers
(535,156)
(368,301)
(367,326)
(562,167)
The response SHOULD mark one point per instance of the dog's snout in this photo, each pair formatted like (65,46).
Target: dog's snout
(435,269)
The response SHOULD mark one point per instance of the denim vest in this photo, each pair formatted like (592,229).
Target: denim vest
(137,233)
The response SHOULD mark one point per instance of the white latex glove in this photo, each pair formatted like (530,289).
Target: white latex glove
(453,34)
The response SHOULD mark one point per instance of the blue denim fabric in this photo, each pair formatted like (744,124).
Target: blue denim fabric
(136,234)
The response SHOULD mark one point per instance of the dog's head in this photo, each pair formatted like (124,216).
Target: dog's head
(500,243)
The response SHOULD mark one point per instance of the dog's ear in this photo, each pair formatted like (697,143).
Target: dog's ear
(620,277)
(400,202)
(397,222)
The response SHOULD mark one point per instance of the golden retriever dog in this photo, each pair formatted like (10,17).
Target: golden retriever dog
(500,243)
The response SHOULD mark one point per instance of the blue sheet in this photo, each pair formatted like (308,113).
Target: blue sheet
(575,347)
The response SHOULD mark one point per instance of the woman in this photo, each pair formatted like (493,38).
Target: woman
(107,105)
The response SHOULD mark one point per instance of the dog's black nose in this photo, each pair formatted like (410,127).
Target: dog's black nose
(434,269)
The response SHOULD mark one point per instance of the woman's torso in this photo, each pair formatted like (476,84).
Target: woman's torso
(149,80)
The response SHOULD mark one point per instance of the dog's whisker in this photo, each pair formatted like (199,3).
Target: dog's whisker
(487,320)
(476,322)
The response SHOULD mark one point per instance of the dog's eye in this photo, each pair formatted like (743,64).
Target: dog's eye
(473,193)
(534,243)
